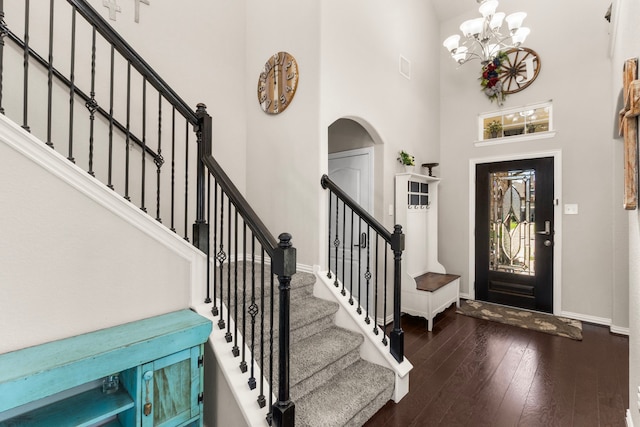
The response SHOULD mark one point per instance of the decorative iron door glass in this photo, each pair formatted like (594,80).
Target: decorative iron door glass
(512,222)
(514,233)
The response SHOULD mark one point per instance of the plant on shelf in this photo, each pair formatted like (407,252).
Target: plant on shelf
(406,159)
(531,128)
(494,128)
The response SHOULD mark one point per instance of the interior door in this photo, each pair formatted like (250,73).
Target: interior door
(351,170)
(514,233)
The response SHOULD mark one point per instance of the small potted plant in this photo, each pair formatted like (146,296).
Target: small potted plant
(494,128)
(407,160)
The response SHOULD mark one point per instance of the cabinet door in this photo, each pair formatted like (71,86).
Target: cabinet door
(170,388)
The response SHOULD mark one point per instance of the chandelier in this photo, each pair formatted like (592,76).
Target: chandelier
(483,37)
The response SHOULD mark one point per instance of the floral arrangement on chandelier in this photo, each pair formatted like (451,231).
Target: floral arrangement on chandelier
(490,79)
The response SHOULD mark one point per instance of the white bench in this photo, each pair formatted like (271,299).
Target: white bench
(433,294)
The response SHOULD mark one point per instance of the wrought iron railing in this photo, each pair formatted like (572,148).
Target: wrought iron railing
(363,279)
(119,137)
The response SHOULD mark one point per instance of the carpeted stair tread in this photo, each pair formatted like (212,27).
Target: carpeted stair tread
(348,399)
(307,317)
(301,283)
(316,359)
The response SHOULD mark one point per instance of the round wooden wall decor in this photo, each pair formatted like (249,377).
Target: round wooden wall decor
(277,83)
(519,69)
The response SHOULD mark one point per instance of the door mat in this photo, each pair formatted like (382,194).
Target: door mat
(547,323)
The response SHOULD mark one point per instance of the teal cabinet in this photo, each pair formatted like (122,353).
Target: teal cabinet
(158,363)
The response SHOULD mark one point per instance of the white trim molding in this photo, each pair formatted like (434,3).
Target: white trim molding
(518,138)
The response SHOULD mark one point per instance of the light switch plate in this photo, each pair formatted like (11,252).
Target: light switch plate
(571,209)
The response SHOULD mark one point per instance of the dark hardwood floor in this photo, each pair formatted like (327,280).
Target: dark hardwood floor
(472,372)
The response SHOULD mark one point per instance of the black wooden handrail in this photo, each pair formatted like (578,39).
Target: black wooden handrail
(91,15)
(256,225)
(260,230)
(326,183)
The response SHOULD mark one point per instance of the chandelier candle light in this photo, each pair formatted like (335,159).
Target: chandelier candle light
(483,36)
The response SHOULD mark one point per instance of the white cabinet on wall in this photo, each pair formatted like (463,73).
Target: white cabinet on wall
(426,288)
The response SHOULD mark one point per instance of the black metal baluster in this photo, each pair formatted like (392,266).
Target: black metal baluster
(92,104)
(25,105)
(235,349)
(111,77)
(173,170)
(253,311)
(243,363)
(50,76)
(261,399)
(375,300)
(344,246)
(128,135)
(4,30)
(367,276)
(329,242)
(228,336)
(214,309)
(159,160)
(186,183)
(351,264)
(72,79)
(336,243)
(221,256)
(384,311)
(359,309)
(144,145)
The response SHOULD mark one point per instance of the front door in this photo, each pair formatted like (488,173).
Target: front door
(351,171)
(514,233)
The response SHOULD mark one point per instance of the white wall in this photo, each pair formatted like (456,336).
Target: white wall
(70,266)
(283,166)
(626,44)
(575,66)
(198,48)
(362,42)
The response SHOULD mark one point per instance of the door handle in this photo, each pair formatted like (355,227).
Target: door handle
(363,241)
(547,229)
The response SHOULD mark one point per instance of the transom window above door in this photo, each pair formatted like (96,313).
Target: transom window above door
(526,122)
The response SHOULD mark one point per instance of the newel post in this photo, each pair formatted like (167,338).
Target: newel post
(284,266)
(204,135)
(397,334)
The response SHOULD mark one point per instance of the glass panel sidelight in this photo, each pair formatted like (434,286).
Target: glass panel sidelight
(512,222)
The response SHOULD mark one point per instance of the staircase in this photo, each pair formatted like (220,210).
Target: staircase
(176,180)
(330,383)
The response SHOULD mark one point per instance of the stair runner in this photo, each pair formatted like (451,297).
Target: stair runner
(330,384)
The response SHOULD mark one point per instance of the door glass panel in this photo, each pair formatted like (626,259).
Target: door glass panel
(512,222)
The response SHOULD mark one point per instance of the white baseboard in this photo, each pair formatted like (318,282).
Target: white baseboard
(628,419)
(465,296)
(586,318)
(619,330)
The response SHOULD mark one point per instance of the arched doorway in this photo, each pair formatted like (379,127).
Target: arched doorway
(353,154)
